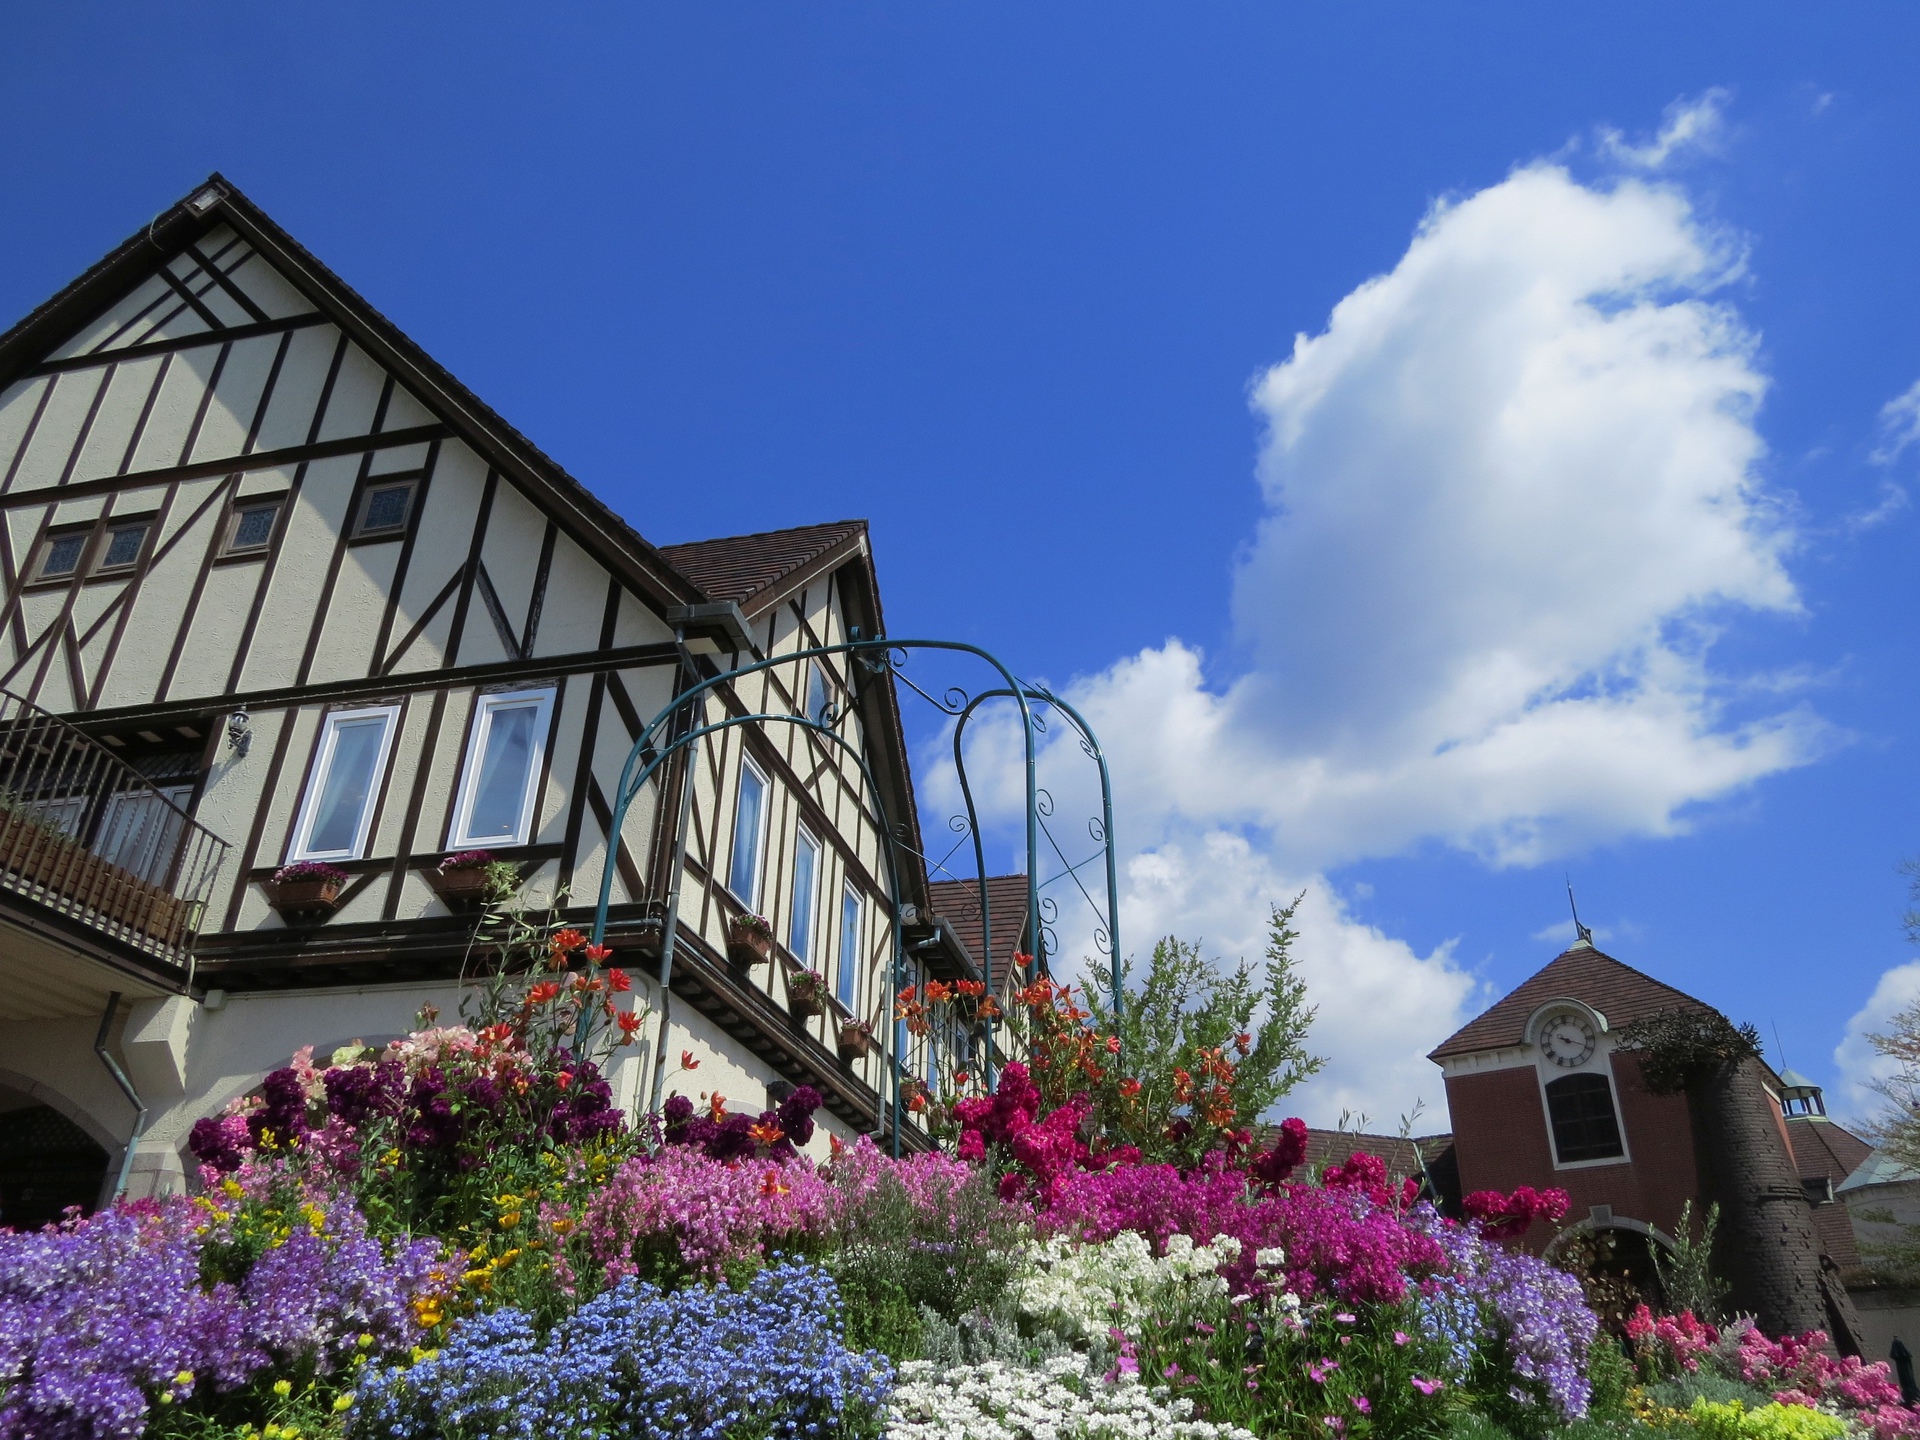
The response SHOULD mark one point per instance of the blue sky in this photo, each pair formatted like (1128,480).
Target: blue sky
(1577,544)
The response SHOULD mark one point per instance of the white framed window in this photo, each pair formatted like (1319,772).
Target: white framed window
(500,776)
(749,835)
(849,945)
(337,810)
(806,887)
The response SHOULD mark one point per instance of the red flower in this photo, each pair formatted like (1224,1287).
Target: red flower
(1113,1044)
(767,1132)
(618,981)
(568,939)
(540,994)
(717,1105)
(687,1062)
(599,954)
(1243,1042)
(1129,1088)
(916,1102)
(563,1079)
(628,1022)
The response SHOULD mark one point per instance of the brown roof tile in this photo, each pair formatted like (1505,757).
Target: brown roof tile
(1823,1149)
(957,902)
(740,567)
(1618,991)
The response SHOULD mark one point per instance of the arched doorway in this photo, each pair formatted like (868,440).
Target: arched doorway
(47,1163)
(1617,1265)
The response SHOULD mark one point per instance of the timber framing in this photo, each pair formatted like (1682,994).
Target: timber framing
(210,367)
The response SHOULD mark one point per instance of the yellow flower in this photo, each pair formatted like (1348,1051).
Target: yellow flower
(419,1354)
(283,1388)
(185,1377)
(231,1189)
(510,1219)
(166,1397)
(343,1404)
(272,1432)
(366,1340)
(427,1310)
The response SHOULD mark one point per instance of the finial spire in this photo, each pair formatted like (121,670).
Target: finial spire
(1582,935)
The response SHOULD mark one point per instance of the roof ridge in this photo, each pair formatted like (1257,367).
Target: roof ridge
(763,534)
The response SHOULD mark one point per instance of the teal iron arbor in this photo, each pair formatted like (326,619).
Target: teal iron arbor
(681,724)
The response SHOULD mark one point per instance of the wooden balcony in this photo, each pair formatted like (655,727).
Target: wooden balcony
(94,853)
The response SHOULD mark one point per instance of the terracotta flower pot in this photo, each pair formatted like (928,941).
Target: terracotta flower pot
(302,899)
(804,1004)
(746,946)
(467,888)
(855,1042)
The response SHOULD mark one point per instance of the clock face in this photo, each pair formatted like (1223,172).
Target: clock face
(1568,1039)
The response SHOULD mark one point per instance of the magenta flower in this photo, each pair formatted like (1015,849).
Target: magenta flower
(1321,1369)
(1428,1387)
(1362,1404)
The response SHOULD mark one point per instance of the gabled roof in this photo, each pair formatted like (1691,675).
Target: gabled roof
(1618,991)
(755,571)
(216,202)
(958,903)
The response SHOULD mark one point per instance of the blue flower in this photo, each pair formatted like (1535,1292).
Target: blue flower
(636,1362)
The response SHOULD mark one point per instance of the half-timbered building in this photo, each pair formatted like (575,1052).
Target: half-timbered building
(278,588)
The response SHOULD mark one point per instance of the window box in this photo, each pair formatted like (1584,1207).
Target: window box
(304,891)
(856,1039)
(749,940)
(806,994)
(467,887)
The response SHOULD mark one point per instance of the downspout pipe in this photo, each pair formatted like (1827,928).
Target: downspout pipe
(126,1088)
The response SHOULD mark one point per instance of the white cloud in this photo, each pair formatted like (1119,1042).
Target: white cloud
(1378,999)
(1855,1058)
(1697,124)
(1513,491)
(1899,424)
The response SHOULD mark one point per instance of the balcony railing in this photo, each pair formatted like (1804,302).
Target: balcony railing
(85,834)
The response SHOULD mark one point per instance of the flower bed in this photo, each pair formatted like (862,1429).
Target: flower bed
(458,1236)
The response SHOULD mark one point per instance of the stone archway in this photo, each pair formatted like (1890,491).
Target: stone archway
(48,1161)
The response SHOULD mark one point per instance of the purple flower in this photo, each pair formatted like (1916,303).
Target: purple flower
(217,1141)
(282,1115)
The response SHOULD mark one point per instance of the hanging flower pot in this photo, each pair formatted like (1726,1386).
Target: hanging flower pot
(856,1039)
(749,940)
(806,994)
(471,879)
(306,890)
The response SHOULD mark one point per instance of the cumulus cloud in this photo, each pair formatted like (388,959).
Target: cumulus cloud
(1697,125)
(1513,492)
(1859,1064)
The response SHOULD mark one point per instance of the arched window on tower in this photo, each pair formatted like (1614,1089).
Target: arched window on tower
(1584,1125)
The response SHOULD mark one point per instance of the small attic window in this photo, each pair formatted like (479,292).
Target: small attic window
(385,509)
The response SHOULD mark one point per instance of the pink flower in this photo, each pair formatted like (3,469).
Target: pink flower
(1362,1404)
(1428,1387)
(1321,1369)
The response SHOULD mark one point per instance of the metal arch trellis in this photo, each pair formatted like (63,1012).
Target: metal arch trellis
(653,747)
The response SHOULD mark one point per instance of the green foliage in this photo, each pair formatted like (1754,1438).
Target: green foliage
(1185,1017)
(1256,1366)
(950,1252)
(1688,1276)
(1680,1392)
(1729,1420)
(1611,1375)
(1680,1047)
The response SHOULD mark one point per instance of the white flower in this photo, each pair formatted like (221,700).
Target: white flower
(1271,1258)
(1059,1401)
(1083,1290)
